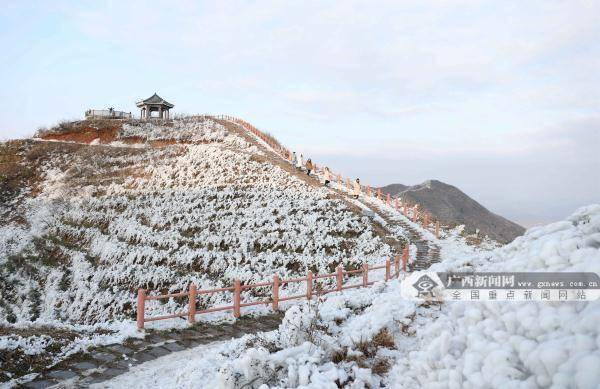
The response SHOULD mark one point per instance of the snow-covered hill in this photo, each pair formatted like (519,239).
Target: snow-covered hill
(111,218)
(374,338)
(91,214)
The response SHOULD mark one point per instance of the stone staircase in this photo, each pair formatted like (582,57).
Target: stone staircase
(105,363)
(428,253)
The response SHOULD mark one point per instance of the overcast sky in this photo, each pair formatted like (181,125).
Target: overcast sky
(498,98)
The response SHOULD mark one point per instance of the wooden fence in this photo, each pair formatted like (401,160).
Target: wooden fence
(192,293)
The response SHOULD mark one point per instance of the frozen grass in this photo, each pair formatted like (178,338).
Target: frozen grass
(374,338)
(109,220)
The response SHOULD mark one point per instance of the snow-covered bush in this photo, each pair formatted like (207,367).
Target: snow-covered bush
(346,339)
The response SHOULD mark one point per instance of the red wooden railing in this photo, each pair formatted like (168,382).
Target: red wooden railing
(275,298)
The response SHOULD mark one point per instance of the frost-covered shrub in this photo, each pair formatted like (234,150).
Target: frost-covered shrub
(194,130)
(307,346)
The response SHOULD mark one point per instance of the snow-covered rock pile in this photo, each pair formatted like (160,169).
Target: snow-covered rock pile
(110,220)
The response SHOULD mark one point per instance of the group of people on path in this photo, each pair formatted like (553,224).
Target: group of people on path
(299,163)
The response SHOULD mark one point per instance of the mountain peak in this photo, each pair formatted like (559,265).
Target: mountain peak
(452,206)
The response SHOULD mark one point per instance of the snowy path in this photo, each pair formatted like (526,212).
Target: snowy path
(178,370)
(108,362)
(428,252)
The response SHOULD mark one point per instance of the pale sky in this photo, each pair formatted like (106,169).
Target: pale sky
(499,98)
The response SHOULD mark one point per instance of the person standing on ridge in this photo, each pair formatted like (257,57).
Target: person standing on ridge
(300,162)
(356,191)
(294,159)
(326,176)
(309,167)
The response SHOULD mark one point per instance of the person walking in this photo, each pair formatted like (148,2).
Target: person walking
(326,176)
(300,162)
(294,159)
(309,167)
(356,191)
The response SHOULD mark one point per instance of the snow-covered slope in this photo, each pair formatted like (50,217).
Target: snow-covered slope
(159,206)
(208,207)
(345,340)
(518,344)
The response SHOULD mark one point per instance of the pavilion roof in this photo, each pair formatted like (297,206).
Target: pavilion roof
(154,100)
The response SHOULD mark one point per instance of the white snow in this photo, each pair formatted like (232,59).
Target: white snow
(163,217)
(207,212)
(458,345)
(179,370)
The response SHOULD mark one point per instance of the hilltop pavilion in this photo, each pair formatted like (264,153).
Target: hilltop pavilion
(154,103)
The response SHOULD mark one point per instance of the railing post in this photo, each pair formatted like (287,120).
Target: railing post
(378,193)
(397,265)
(192,304)
(387,269)
(365,275)
(141,305)
(339,278)
(275,293)
(236,298)
(309,285)
(405,257)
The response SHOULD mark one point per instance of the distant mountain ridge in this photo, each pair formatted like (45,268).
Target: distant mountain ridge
(451,206)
